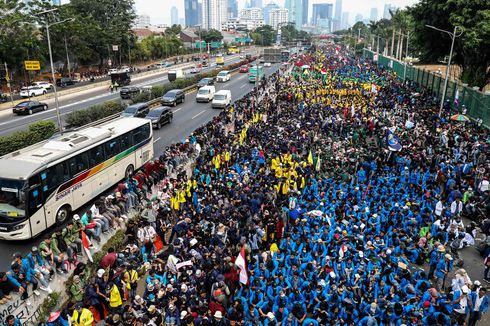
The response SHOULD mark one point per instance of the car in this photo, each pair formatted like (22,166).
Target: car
(205,82)
(244,68)
(194,70)
(204,63)
(173,97)
(138,110)
(127,91)
(223,76)
(29,107)
(221,99)
(242,56)
(65,81)
(267,64)
(44,84)
(111,71)
(159,116)
(205,94)
(32,91)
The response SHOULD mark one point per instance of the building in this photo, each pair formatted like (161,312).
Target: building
(142,21)
(182,22)
(255,4)
(232,9)
(304,13)
(345,20)
(174,16)
(321,11)
(374,14)
(279,17)
(199,13)
(214,13)
(251,14)
(191,12)
(266,11)
(386,10)
(295,12)
(189,37)
(245,25)
(358,18)
(337,21)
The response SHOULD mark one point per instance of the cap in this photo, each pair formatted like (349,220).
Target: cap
(448,256)
(477,283)
(426,304)
(17,255)
(465,289)
(78,305)
(152,308)
(183,314)
(76,217)
(270,315)
(53,316)
(34,249)
(100,272)
(218,314)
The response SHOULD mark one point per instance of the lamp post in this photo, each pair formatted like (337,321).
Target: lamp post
(48,25)
(458,31)
(406,60)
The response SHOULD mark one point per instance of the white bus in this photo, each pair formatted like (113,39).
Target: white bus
(42,184)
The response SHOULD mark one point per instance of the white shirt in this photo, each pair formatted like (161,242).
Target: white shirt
(146,233)
(439,208)
(463,303)
(479,301)
(484,186)
(456,207)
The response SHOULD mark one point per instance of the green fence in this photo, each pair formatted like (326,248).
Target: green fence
(476,102)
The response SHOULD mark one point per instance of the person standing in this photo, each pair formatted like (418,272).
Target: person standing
(479,305)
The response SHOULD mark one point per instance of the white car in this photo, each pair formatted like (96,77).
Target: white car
(223,76)
(44,84)
(267,64)
(32,91)
(194,70)
(205,94)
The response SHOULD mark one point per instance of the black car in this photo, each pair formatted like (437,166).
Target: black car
(65,81)
(160,116)
(139,110)
(29,107)
(205,82)
(127,91)
(173,97)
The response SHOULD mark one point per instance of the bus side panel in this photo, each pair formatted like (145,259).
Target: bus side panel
(99,183)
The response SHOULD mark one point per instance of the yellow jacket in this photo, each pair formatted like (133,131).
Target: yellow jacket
(115,297)
(86,318)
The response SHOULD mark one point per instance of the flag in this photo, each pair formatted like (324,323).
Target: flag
(393,142)
(310,158)
(240,263)
(86,246)
(318,163)
(367,190)
(456,98)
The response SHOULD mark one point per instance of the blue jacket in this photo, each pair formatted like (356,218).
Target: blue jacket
(484,304)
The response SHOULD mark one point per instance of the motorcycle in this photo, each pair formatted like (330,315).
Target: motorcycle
(3,98)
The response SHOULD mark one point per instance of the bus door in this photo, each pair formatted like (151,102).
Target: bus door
(35,207)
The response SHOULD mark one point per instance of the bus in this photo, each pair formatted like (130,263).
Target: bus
(255,73)
(284,56)
(220,60)
(41,185)
(233,49)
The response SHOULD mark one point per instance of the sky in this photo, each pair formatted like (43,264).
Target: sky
(159,10)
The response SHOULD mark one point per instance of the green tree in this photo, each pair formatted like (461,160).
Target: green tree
(264,35)
(174,30)
(211,35)
(471,50)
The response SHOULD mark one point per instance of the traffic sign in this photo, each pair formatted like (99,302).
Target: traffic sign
(32,65)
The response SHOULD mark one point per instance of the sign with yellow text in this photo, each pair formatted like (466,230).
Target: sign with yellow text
(32,65)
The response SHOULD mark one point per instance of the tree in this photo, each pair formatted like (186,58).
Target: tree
(174,30)
(211,35)
(470,50)
(264,35)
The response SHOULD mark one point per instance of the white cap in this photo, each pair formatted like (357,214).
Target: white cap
(76,217)
(465,289)
(332,274)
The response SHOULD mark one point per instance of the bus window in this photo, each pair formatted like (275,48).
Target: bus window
(126,141)
(141,134)
(96,155)
(78,164)
(112,148)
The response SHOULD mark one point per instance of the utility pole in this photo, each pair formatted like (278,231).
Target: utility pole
(67,58)
(7,78)
(406,57)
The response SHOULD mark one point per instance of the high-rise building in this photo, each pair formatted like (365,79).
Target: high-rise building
(191,12)
(304,19)
(142,21)
(295,12)
(174,16)
(199,13)
(266,12)
(321,11)
(337,22)
(255,4)
(345,20)
(214,13)
(374,14)
(278,17)
(358,18)
(232,8)
(386,10)
(251,14)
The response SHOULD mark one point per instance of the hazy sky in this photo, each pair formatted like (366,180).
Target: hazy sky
(159,10)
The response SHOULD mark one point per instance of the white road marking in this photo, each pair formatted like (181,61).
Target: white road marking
(198,114)
(243,85)
(157,140)
(178,110)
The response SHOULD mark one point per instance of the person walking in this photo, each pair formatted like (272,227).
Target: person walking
(479,305)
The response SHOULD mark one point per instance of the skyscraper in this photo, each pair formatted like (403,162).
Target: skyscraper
(256,4)
(174,16)
(345,20)
(358,18)
(386,11)
(191,12)
(295,12)
(232,9)
(199,13)
(304,20)
(321,11)
(214,12)
(267,10)
(337,22)
(374,14)
(278,17)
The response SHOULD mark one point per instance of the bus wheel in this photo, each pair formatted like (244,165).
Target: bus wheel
(129,171)
(62,215)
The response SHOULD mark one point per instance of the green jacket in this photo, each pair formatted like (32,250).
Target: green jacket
(70,235)
(54,245)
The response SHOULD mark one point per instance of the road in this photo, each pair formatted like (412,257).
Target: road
(10,123)
(187,117)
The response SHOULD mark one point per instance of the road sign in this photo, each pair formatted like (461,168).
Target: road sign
(200,45)
(32,65)
(215,45)
(115,48)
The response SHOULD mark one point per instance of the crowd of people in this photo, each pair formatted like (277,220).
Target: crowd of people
(329,195)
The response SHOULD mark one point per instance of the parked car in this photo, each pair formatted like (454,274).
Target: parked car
(223,76)
(243,68)
(173,97)
(65,81)
(205,63)
(32,91)
(44,84)
(205,94)
(194,70)
(160,116)
(127,91)
(139,110)
(205,82)
(221,99)
(29,107)
(267,64)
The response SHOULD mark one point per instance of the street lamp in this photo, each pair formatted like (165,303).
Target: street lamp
(406,58)
(52,64)
(458,31)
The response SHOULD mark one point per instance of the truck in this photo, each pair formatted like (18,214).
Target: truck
(273,55)
(220,60)
(175,74)
(120,78)
(256,73)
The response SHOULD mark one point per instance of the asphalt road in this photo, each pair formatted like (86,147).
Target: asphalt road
(10,122)
(187,117)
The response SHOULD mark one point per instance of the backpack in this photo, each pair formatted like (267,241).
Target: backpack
(61,243)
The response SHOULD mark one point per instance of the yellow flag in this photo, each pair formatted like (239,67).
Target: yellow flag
(310,158)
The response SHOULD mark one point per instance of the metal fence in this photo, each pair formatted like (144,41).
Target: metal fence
(476,102)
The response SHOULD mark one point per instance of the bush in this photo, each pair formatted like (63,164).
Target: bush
(35,133)
(93,113)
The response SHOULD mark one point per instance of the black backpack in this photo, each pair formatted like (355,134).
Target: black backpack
(61,243)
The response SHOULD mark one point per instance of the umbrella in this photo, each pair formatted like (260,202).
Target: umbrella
(305,67)
(460,117)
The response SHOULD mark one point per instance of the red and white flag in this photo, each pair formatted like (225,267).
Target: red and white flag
(86,246)
(241,264)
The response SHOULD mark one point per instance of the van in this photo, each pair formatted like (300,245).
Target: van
(221,99)
(205,94)
(223,76)
(174,74)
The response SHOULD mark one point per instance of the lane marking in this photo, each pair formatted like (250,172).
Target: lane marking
(157,140)
(198,114)
(177,110)
(243,85)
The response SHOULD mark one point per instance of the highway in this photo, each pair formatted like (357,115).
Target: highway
(187,117)
(10,122)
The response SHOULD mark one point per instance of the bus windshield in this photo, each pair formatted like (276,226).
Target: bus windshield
(12,198)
